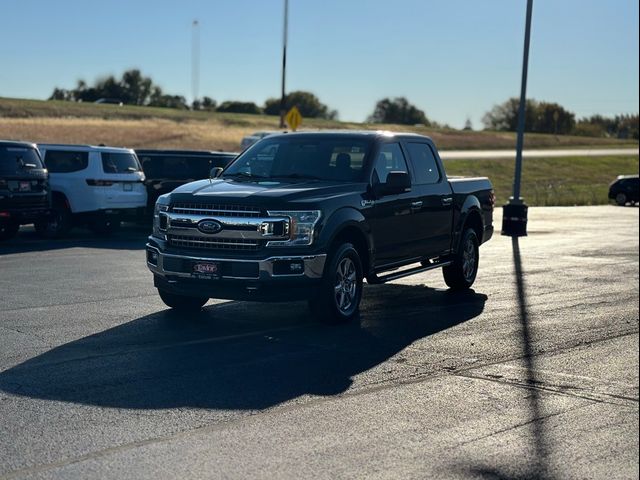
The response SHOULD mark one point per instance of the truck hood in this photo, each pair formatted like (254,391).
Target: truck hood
(267,191)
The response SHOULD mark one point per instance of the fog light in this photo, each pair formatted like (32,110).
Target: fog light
(288,267)
(152,257)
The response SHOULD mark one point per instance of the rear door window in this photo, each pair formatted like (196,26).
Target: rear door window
(424,163)
(60,161)
(119,162)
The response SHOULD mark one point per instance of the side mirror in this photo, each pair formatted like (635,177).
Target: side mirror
(215,172)
(397,182)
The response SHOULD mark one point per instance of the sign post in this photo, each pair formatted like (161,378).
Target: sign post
(514,213)
(284,62)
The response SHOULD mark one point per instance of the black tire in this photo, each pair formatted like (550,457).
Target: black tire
(56,224)
(621,199)
(461,274)
(8,229)
(340,292)
(181,302)
(105,225)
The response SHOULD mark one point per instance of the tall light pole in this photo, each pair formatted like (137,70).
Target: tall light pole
(283,110)
(195,60)
(514,218)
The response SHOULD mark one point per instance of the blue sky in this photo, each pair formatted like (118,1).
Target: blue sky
(454,59)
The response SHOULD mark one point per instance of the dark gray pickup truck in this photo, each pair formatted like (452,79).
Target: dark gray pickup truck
(311,215)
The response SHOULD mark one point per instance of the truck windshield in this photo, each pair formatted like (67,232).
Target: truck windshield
(16,159)
(322,158)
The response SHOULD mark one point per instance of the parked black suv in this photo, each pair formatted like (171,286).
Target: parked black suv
(166,170)
(24,187)
(625,189)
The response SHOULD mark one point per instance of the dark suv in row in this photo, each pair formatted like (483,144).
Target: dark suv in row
(24,187)
(166,170)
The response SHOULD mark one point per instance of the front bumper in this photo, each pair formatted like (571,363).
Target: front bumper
(275,278)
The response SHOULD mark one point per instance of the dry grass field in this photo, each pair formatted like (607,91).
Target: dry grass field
(137,127)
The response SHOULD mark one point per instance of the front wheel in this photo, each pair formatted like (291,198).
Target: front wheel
(338,299)
(461,274)
(621,199)
(182,302)
(8,229)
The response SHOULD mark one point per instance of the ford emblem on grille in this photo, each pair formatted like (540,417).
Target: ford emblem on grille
(209,226)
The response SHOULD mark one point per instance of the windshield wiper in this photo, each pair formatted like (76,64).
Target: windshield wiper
(299,175)
(243,175)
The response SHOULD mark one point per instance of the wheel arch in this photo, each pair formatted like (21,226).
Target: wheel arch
(470,217)
(348,224)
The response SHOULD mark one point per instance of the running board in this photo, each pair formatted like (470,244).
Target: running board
(375,279)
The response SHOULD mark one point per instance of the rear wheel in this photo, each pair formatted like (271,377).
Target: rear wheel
(621,199)
(8,229)
(105,225)
(57,223)
(462,272)
(182,302)
(338,299)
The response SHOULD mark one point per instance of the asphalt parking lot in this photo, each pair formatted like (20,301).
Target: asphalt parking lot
(534,373)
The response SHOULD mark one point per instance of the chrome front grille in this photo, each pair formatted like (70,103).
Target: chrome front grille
(212,243)
(216,210)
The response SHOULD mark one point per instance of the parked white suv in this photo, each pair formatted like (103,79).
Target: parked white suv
(94,186)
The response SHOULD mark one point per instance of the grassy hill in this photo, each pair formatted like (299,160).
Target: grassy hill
(150,127)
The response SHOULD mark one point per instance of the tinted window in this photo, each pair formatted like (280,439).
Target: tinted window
(390,159)
(181,167)
(424,163)
(119,163)
(326,158)
(16,159)
(59,161)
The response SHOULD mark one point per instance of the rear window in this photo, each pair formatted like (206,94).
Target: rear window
(120,163)
(59,161)
(16,159)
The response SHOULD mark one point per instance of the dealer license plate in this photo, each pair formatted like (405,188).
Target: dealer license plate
(205,270)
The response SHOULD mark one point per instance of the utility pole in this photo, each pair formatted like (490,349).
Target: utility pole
(195,61)
(514,218)
(283,110)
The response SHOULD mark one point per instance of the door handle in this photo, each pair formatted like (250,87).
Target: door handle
(416,205)
(447,201)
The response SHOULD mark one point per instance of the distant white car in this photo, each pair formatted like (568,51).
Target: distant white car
(253,138)
(93,185)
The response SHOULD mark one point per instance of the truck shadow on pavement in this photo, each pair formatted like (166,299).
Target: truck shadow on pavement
(130,237)
(240,355)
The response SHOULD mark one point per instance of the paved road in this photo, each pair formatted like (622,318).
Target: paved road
(538,153)
(532,374)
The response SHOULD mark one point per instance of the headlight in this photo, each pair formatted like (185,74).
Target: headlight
(302,223)
(159,220)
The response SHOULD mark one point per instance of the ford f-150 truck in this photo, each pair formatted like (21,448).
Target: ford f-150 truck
(311,215)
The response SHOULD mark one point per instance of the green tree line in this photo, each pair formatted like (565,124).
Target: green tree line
(545,117)
(134,88)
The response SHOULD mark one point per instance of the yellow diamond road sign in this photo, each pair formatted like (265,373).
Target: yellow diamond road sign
(293,118)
